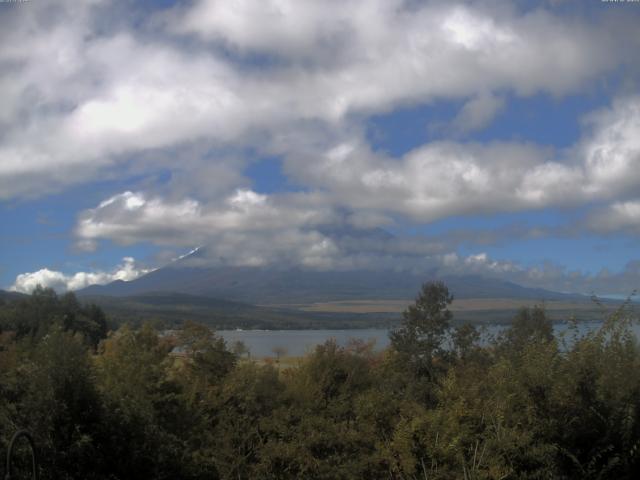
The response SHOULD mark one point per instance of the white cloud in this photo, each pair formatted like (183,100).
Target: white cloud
(131,217)
(27,282)
(318,246)
(619,216)
(354,186)
(612,152)
(281,27)
(251,229)
(441,179)
(405,51)
(120,96)
(200,85)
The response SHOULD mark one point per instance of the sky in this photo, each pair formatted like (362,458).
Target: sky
(488,137)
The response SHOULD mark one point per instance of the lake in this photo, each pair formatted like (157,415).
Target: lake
(261,343)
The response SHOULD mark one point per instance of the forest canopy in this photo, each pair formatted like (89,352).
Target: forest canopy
(118,403)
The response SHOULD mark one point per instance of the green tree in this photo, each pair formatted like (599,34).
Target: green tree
(32,317)
(207,360)
(465,340)
(530,325)
(425,324)
(234,431)
(316,432)
(62,407)
(146,419)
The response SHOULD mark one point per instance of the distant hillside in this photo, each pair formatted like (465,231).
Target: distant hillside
(174,308)
(271,286)
(9,296)
(194,275)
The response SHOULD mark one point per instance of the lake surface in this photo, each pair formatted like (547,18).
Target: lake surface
(261,343)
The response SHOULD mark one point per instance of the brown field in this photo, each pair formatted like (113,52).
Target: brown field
(472,310)
(462,305)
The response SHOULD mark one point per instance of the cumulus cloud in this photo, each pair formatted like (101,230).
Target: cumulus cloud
(619,216)
(250,229)
(133,217)
(612,152)
(494,45)
(431,182)
(113,95)
(204,88)
(440,179)
(27,282)
(356,187)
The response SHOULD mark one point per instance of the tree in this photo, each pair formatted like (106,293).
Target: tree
(234,433)
(208,360)
(34,316)
(145,416)
(530,325)
(424,326)
(465,339)
(62,406)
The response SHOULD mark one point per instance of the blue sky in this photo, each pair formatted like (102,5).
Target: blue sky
(488,137)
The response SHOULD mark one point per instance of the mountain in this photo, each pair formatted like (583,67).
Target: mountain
(194,274)
(258,285)
(10,296)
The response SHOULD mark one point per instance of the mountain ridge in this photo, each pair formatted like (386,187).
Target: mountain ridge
(257,285)
(194,274)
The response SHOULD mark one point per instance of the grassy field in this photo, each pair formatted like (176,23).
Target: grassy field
(463,305)
(469,309)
